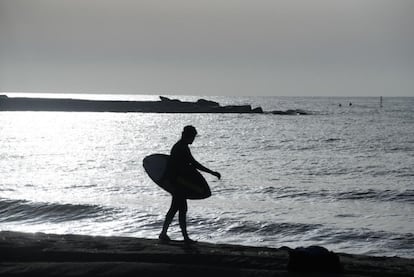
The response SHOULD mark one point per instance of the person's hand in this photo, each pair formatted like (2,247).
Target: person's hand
(218,175)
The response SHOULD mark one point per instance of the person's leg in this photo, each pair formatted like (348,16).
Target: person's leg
(168,218)
(182,217)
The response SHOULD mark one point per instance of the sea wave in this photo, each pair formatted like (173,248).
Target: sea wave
(312,232)
(291,234)
(406,196)
(382,195)
(232,227)
(12,210)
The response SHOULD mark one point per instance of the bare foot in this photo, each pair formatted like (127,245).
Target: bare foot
(189,241)
(164,238)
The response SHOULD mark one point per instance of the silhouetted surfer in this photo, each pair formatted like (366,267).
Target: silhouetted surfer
(180,160)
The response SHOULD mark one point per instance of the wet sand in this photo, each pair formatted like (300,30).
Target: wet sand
(39,254)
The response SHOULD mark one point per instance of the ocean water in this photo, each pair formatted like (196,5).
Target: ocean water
(341,177)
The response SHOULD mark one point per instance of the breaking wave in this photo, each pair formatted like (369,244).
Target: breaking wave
(23,210)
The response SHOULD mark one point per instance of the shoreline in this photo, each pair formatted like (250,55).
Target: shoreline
(40,254)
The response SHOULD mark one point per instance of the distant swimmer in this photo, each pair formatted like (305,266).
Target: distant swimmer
(350,104)
(181,162)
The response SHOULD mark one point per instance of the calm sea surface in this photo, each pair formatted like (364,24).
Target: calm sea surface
(342,177)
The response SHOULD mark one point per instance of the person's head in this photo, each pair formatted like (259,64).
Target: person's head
(189,133)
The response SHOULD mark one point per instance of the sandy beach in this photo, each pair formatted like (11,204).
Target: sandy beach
(40,254)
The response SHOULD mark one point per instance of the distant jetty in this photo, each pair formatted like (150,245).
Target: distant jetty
(164,105)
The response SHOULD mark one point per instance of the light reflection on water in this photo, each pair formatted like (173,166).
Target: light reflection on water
(290,180)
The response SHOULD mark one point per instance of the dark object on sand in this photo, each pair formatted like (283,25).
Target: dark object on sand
(313,259)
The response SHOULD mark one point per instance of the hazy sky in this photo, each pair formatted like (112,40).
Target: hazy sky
(211,47)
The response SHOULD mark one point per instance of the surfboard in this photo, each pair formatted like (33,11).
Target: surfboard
(191,184)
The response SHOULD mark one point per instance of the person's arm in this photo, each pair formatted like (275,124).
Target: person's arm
(201,167)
